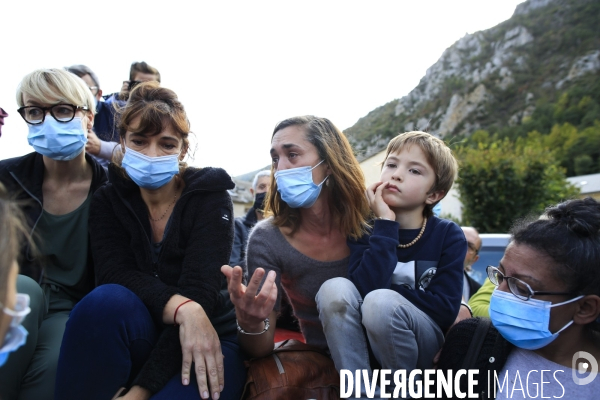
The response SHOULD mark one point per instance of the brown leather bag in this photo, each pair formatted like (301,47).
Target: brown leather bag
(294,371)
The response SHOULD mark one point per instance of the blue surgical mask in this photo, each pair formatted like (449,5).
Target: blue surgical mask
(16,336)
(61,141)
(150,172)
(524,323)
(297,188)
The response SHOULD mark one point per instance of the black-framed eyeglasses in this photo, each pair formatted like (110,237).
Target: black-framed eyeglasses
(473,248)
(35,115)
(516,286)
(94,90)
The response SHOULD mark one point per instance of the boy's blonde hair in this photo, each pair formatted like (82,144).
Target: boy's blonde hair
(438,155)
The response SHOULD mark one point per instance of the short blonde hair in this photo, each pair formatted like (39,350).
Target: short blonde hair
(56,84)
(438,155)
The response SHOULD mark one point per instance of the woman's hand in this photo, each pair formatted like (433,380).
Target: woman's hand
(93,144)
(251,309)
(200,344)
(376,202)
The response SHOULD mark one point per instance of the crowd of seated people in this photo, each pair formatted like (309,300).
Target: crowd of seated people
(138,282)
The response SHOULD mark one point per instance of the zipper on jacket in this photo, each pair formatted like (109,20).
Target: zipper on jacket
(128,205)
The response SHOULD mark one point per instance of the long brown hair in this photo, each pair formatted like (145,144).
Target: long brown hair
(13,230)
(345,186)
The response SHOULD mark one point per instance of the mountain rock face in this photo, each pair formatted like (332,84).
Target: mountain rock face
(495,78)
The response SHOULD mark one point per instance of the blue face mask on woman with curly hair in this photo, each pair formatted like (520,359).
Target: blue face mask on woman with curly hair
(524,323)
(150,172)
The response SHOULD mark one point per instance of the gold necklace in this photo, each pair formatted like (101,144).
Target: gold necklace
(165,213)
(403,246)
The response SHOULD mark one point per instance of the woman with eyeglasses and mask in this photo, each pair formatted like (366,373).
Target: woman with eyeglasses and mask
(56,183)
(544,310)
(158,325)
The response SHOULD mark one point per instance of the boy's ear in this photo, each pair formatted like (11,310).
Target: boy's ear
(434,197)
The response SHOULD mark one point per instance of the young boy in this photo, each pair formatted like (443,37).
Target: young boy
(405,277)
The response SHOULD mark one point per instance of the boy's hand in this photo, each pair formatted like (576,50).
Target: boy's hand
(376,202)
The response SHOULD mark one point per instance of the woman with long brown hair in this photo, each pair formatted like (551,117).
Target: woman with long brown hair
(316,202)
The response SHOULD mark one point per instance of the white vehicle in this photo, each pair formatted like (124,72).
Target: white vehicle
(491,252)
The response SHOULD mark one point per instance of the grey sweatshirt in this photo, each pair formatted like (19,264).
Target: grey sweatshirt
(300,276)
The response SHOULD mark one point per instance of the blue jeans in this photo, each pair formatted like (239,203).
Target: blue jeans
(109,336)
(400,335)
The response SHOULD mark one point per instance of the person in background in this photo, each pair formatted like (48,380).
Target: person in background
(3,114)
(14,306)
(480,300)
(103,138)
(544,310)
(243,225)
(160,233)
(404,283)
(138,73)
(56,182)
(470,285)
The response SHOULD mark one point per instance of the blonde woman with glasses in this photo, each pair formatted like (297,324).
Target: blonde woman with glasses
(57,182)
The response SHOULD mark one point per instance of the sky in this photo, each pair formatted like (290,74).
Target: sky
(239,67)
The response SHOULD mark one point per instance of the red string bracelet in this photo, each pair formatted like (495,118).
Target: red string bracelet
(177,309)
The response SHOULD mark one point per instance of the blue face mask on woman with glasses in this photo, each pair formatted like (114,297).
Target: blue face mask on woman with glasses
(60,136)
(16,336)
(524,323)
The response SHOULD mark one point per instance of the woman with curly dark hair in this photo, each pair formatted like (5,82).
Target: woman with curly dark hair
(544,310)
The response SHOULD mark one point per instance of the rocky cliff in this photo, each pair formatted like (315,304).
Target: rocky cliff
(496,78)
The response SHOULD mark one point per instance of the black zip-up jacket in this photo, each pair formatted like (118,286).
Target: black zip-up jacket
(23,177)
(197,243)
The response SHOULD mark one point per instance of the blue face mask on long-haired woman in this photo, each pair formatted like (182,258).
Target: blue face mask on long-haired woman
(296,186)
(60,141)
(524,323)
(150,172)
(16,336)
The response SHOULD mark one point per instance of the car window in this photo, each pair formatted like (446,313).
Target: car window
(487,256)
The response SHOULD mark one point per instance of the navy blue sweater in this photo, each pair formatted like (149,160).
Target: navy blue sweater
(428,274)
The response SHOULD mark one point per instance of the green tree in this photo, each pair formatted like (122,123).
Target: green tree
(503,181)
(584,164)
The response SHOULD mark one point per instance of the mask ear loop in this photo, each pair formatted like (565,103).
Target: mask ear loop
(562,304)
(567,302)
(322,161)
(318,165)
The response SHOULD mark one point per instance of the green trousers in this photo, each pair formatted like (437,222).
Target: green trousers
(30,372)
